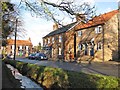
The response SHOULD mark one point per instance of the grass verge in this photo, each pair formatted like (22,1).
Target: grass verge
(49,77)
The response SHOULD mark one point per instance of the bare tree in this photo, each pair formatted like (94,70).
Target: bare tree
(55,10)
(8,22)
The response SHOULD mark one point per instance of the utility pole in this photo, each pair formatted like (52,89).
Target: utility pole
(15,39)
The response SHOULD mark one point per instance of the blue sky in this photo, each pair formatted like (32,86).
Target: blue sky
(38,27)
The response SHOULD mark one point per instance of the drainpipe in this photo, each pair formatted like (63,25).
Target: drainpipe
(119,29)
(103,43)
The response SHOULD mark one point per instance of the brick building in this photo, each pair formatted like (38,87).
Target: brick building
(98,36)
(54,42)
(22,46)
(96,39)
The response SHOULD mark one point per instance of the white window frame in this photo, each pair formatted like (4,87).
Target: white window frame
(80,46)
(98,29)
(26,47)
(53,39)
(99,44)
(13,47)
(48,40)
(20,47)
(79,33)
(60,38)
(60,51)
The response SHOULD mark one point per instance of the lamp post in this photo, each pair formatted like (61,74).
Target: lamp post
(15,39)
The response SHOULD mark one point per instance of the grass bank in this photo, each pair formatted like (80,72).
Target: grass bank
(49,77)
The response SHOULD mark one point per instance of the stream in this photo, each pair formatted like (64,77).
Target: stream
(25,81)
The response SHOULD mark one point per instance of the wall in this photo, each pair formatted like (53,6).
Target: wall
(111,39)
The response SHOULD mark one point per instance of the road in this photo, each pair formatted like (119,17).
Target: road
(109,68)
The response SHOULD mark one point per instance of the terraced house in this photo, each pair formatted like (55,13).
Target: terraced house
(54,42)
(96,39)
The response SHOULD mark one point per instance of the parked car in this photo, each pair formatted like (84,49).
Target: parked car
(32,56)
(40,56)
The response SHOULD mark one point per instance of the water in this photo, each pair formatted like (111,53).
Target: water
(25,81)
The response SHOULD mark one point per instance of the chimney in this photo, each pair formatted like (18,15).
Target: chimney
(80,17)
(55,26)
(29,39)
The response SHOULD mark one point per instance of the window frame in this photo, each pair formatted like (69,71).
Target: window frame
(48,40)
(98,29)
(53,39)
(99,46)
(60,38)
(59,51)
(79,33)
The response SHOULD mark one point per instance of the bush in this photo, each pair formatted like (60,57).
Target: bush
(54,78)
(57,78)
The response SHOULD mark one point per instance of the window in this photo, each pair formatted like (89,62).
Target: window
(22,47)
(53,40)
(45,42)
(79,33)
(60,38)
(86,49)
(48,40)
(99,46)
(11,47)
(18,48)
(59,51)
(80,46)
(98,29)
(26,47)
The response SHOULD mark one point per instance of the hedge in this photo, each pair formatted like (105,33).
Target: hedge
(49,77)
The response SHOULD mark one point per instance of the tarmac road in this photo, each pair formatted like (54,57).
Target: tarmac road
(110,68)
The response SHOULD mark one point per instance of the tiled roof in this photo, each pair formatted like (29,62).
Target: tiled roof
(19,42)
(60,30)
(101,19)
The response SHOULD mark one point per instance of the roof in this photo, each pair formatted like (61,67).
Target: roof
(60,30)
(19,42)
(101,19)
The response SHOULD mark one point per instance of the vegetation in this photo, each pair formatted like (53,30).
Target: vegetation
(49,77)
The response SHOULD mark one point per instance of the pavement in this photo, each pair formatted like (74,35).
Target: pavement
(109,68)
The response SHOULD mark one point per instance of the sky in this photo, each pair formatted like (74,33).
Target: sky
(36,27)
